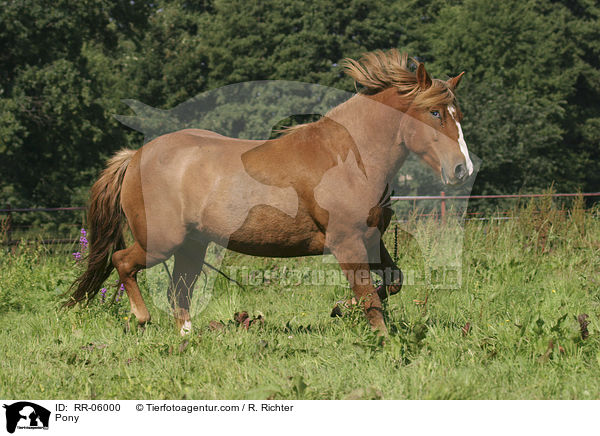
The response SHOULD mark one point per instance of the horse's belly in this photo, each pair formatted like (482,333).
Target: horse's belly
(267,231)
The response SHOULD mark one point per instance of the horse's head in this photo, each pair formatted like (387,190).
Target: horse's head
(429,117)
(432,128)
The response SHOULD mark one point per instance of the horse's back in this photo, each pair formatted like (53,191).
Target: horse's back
(255,196)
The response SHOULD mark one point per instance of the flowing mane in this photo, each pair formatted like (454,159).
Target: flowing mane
(379,70)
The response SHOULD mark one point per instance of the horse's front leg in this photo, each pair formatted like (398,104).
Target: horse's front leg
(352,257)
(390,274)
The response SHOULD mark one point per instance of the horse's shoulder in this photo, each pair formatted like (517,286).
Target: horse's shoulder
(325,141)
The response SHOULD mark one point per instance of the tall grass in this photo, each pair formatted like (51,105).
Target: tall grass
(514,329)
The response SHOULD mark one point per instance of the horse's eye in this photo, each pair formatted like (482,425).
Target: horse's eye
(436,114)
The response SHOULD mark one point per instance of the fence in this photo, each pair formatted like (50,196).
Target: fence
(7,224)
(443,198)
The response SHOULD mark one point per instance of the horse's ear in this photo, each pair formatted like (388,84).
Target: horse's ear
(454,81)
(423,78)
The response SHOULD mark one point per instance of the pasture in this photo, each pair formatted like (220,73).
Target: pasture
(511,331)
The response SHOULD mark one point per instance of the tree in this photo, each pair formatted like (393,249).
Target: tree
(54,123)
(531,95)
(522,94)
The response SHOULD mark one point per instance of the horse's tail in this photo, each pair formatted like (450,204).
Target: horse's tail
(105,233)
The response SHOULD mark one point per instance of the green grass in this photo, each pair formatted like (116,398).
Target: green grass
(524,283)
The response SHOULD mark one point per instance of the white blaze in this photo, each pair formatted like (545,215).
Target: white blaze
(461,140)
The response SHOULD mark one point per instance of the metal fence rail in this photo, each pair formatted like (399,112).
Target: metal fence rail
(7,225)
(443,198)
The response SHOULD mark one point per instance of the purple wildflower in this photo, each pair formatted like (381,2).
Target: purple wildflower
(103,293)
(83,242)
(120,293)
(83,246)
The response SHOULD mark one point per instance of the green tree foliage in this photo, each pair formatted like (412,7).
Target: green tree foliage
(531,94)
(54,124)
(529,90)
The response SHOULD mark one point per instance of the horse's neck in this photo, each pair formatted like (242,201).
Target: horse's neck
(374,127)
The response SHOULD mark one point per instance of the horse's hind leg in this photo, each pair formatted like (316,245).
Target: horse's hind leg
(128,262)
(189,259)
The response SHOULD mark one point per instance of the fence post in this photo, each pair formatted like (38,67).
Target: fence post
(443,194)
(8,224)
(395,243)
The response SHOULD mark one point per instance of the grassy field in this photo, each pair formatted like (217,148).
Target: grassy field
(525,283)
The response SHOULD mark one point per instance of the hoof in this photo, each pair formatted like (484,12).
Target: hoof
(382,332)
(186,328)
(143,320)
(386,291)
(337,311)
(382,292)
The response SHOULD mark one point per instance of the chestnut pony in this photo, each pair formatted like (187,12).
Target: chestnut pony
(322,187)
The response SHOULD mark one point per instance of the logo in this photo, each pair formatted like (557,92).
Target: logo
(26,415)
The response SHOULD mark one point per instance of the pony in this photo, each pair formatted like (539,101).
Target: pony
(319,188)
